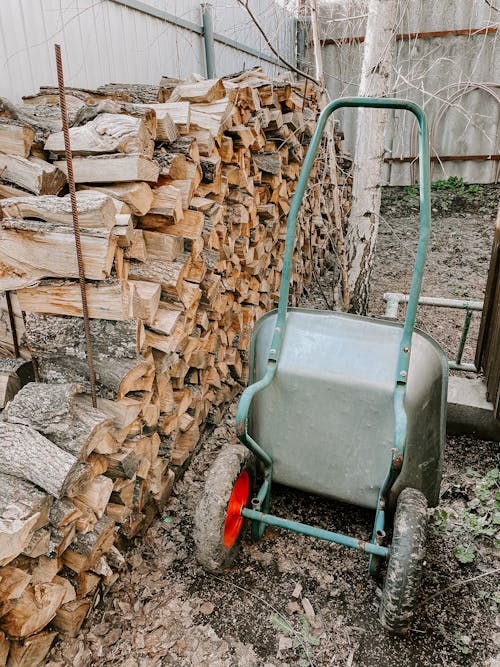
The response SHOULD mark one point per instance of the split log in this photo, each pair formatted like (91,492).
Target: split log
(26,454)
(167,200)
(165,125)
(163,247)
(95,209)
(35,609)
(69,617)
(31,651)
(14,373)
(169,275)
(88,548)
(23,509)
(180,113)
(32,174)
(107,133)
(107,299)
(146,298)
(30,250)
(15,137)
(110,168)
(205,90)
(137,196)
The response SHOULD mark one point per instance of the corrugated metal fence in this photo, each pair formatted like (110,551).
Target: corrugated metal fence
(447,59)
(132,41)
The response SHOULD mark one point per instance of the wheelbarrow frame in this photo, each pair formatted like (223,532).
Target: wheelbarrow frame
(258,514)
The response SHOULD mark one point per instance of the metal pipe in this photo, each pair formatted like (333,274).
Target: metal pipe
(465,331)
(207,18)
(311,531)
(395,298)
(453,366)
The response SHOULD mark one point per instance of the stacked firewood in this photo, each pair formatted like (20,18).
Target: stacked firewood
(182,207)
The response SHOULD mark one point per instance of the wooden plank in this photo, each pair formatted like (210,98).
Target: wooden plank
(488,347)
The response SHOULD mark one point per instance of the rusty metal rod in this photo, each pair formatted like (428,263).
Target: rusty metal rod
(12,322)
(76,223)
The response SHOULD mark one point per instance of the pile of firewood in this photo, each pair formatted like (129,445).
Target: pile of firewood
(182,207)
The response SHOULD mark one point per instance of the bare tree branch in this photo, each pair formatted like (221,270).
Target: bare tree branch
(244,4)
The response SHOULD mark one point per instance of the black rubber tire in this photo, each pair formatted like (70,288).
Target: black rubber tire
(210,514)
(404,569)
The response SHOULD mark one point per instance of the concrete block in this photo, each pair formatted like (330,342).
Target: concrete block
(469,411)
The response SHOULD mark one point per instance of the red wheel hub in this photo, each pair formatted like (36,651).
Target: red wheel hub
(238,500)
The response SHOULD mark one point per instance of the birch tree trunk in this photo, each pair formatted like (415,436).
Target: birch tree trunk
(375,82)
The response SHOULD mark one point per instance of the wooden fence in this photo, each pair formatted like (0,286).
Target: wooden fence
(488,348)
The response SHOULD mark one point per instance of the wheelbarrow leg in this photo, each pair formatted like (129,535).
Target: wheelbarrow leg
(378,534)
(261,504)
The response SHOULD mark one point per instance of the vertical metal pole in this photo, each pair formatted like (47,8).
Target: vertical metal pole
(301,24)
(207,17)
(76,223)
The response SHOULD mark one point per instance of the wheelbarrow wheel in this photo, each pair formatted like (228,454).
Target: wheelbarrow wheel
(218,525)
(402,580)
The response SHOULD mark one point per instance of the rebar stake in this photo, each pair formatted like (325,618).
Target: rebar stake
(76,223)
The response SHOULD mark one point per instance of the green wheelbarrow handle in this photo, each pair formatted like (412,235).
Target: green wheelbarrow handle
(409,323)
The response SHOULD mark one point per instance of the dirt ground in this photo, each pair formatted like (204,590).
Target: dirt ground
(291,600)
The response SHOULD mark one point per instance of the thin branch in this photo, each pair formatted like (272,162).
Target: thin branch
(492,6)
(244,4)
(457,584)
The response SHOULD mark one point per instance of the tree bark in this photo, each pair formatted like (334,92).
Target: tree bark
(23,509)
(375,82)
(26,454)
(52,411)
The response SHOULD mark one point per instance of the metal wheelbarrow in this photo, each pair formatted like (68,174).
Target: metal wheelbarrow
(348,407)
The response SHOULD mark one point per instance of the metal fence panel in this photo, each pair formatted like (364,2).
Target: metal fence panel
(109,41)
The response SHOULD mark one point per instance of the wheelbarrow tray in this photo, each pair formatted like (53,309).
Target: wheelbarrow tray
(327,419)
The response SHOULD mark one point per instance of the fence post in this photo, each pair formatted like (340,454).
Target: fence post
(301,25)
(208,38)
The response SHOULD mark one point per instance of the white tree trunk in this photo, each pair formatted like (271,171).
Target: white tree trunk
(375,82)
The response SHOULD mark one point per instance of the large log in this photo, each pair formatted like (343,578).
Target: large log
(107,133)
(53,411)
(66,335)
(112,168)
(26,454)
(33,174)
(30,250)
(95,209)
